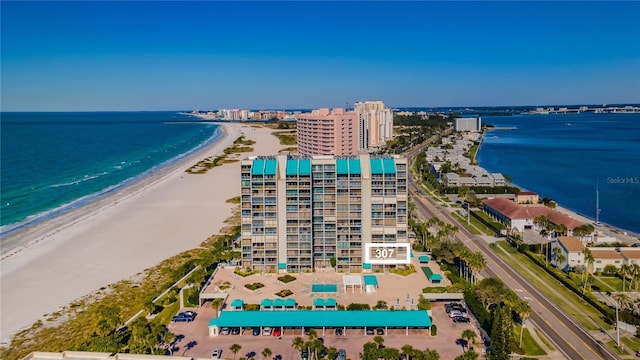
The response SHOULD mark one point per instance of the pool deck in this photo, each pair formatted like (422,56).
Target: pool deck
(394,289)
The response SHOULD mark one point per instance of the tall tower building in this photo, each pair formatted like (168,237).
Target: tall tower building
(299,213)
(375,124)
(328,132)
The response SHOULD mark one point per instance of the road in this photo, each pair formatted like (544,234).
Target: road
(573,341)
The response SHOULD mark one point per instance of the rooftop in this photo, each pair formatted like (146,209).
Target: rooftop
(630,253)
(513,210)
(605,253)
(571,243)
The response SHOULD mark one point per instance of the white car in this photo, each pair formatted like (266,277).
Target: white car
(216,354)
(455,313)
(266,331)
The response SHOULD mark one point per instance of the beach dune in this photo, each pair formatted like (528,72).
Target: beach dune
(117,237)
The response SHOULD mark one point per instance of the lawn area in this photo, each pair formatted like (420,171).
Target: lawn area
(544,339)
(476,226)
(613,346)
(286,137)
(529,345)
(187,294)
(164,317)
(610,283)
(488,219)
(631,343)
(580,310)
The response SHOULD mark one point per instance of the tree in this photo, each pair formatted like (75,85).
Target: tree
(469,335)
(234,349)
(298,343)
(524,312)
(109,318)
(408,351)
(490,291)
(266,353)
(561,230)
(332,352)
(468,355)
(588,260)
(147,337)
(622,299)
(624,271)
(501,334)
(428,354)
(476,262)
(378,340)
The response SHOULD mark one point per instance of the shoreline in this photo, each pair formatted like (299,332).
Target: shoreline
(119,236)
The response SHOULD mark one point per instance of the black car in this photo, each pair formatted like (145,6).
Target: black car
(250,354)
(380,331)
(370,331)
(183,317)
(461,319)
(339,332)
(255,331)
(235,331)
(304,354)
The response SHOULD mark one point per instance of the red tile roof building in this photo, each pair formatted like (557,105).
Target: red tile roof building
(521,216)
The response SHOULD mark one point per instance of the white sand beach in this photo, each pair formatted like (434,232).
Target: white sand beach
(117,237)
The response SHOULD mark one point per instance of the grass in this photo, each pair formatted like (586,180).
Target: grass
(287,137)
(291,149)
(544,339)
(287,278)
(474,226)
(610,283)
(169,311)
(613,346)
(488,219)
(471,154)
(186,295)
(581,311)
(529,344)
(234,200)
(254,286)
(284,293)
(240,145)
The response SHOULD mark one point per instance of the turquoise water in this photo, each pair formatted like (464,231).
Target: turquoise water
(324,288)
(568,156)
(54,162)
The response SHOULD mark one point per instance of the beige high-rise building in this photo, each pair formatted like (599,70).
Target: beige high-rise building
(328,132)
(375,124)
(299,213)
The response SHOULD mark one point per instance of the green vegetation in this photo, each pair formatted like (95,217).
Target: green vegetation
(254,286)
(356,306)
(234,200)
(90,322)
(246,272)
(286,137)
(291,149)
(529,345)
(284,293)
(471,154)
(286,278)
(210,162)
(475,227)
(404,271)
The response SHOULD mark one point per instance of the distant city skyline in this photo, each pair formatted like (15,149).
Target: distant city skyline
(101,56)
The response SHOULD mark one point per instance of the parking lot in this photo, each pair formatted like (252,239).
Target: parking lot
(196,342)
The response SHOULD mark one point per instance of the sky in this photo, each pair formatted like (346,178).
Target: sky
(101,56)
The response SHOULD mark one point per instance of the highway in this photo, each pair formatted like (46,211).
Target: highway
(573,341)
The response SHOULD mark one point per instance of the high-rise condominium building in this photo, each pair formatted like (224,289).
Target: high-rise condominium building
(468,124)
(328,132)
(375,124)
(300,213)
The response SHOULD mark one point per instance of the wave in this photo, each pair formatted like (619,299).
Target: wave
(84,200)
(76,182)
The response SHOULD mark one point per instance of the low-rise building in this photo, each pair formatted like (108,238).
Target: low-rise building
(572,251)
(527,197)
(631,255)
(521,217)
(605,256)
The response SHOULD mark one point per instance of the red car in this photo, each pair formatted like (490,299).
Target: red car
(276,332)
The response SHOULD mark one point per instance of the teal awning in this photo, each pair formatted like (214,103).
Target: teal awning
(318,302)
(270,167)
(376,166)
(371,280)
(237,303)
(278,303)
(282,265)
(389,165)
(435,277)
(266,302)
(305,167)
(424,259)
(366,266)
(290,302)
(330,302)
(354,167)
(310,318)
(342,167)
(292,167)
(257,168)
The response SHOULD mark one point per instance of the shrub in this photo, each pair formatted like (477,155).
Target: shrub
(287,278)
(251,307)
(254,286)
(434,330)
(407,270)
(356,306)
(246,272)
(284,293)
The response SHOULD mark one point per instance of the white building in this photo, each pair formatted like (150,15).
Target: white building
(375,123)
(468,124)
(572,250)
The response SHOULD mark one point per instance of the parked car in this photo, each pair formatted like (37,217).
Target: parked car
(255,331)
(304,354)
(277,332)
(216,354)
(339,332)
(225,331)
(370,331)
(182,317)
(461,319)
(380,331)
(235,331)
(342,354)
(454,313)
(250,354)
(266,331)
(190,313)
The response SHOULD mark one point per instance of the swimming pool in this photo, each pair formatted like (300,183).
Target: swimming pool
(324,288)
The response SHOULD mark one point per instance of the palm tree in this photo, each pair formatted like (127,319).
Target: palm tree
(234,349)
(469,335)
(477,262)
(623,300)
(588,259)
(635,275)
(408,350)
(298,343)
(524,311)
(266,353)
(561,229)
(624,271)
(379,340)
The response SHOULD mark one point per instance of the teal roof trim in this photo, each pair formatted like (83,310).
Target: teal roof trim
(342,167)
(290,302)
(270,167)
(330,302)
(304,167)
(435,277)
(237,303)
(278,303)
(424,258)
(376,166)
(318,302)
(366,266)
(389,165)
(266,302)
(310,318)
(354,167)
(292,167)
(282,265)
(257,168)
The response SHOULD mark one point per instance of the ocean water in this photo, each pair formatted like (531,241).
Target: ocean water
(53,162)
(568,157)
